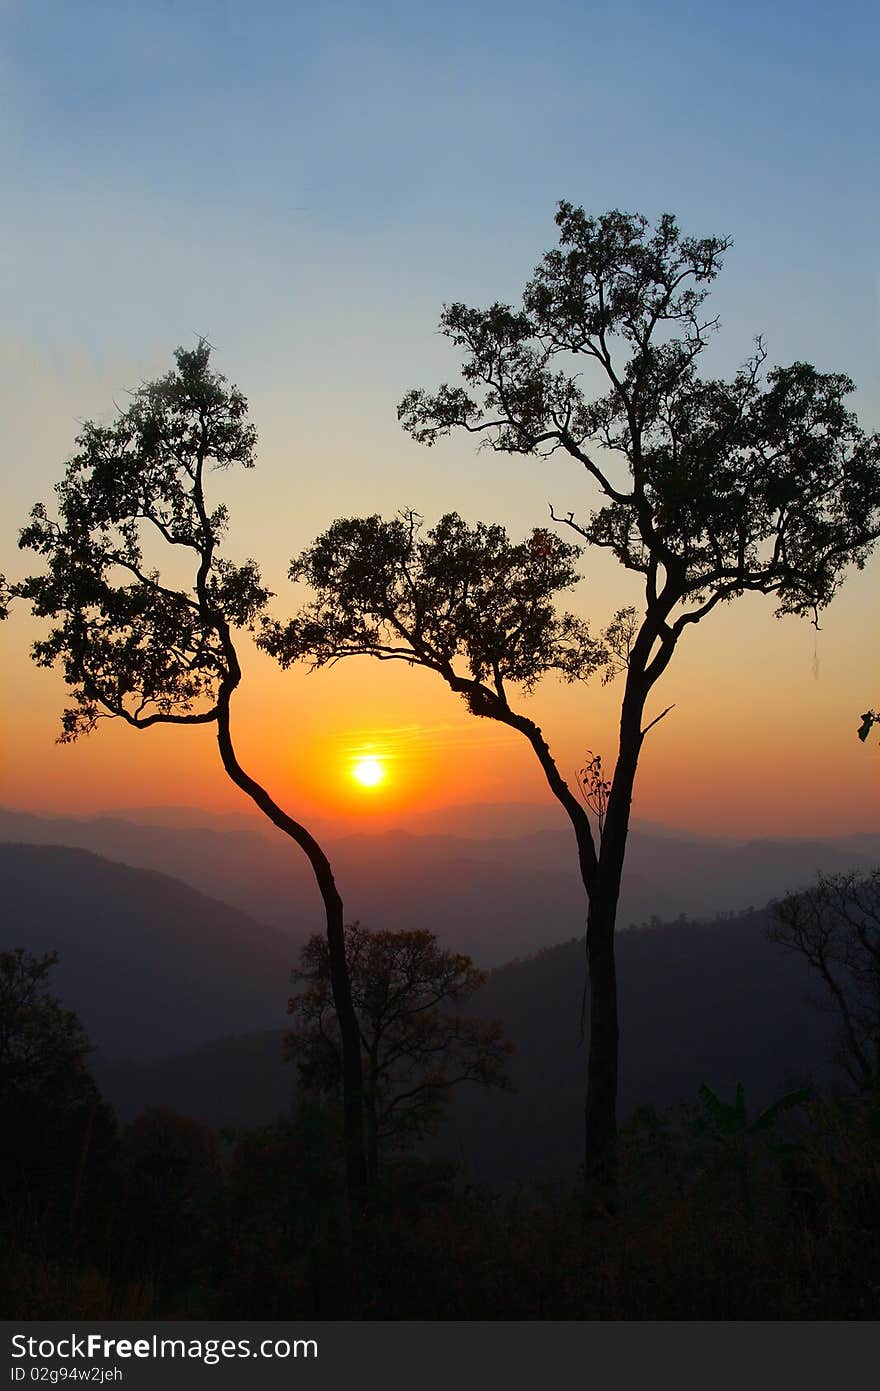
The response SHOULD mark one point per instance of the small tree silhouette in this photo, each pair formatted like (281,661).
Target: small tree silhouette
(51,1113)
(595,788)
(417,1043)
(835,927)
(731,1132)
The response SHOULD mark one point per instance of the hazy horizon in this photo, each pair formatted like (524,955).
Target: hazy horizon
(469,820)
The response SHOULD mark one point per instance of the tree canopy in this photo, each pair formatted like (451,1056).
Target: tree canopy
(43,1047)
(762,482)
(417,1042)
(54,1129)
(389,589)
(835,926)
(132,643)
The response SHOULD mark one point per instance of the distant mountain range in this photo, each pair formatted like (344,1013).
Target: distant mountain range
(185,995)
(715,1003)
(497,898)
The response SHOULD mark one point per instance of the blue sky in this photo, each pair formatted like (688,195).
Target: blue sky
(307,185)
(224,160)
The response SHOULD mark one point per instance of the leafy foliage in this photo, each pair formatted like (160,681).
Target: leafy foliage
(724,1121)
(131,643)
(43,1046)
(748,484)
(417,1043)
(387,589)
(54,1128)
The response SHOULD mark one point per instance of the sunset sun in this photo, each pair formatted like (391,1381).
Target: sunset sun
(369,772)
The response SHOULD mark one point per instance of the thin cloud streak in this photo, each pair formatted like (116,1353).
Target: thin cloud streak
(394,741)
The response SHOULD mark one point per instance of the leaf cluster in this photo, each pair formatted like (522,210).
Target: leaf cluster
(393,591)
(130,643)
(725,1122)
(417,1043)
(43,1046)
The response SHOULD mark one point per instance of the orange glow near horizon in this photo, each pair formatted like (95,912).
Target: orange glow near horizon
(762,711)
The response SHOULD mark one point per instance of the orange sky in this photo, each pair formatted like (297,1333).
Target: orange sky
(761,739)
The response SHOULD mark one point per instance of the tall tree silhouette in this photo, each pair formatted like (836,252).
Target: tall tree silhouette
(138,646)
(706,488)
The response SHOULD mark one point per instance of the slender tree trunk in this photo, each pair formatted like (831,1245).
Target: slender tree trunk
(352,1071)
(600,1111)
(601,875)
(600,1108)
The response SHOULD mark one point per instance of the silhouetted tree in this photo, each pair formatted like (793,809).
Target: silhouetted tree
(51,1113)
(835,926)
(869,719)
(731,1132)
(706,488)
(417,1044)
(136,645)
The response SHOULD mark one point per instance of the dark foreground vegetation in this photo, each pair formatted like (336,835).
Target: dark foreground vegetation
(179,1224)
(723,1213)
(727,1206)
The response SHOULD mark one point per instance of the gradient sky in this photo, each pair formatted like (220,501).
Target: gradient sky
(306,188)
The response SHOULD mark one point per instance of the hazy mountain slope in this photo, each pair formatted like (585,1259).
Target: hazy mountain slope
(734,877)
(256,874)
(148,964)
(714,1002)
(710,1002)
(496,898)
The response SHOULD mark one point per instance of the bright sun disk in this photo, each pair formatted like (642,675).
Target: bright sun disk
(368,772)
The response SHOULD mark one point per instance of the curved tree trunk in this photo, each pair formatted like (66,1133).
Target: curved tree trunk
(352,1068)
